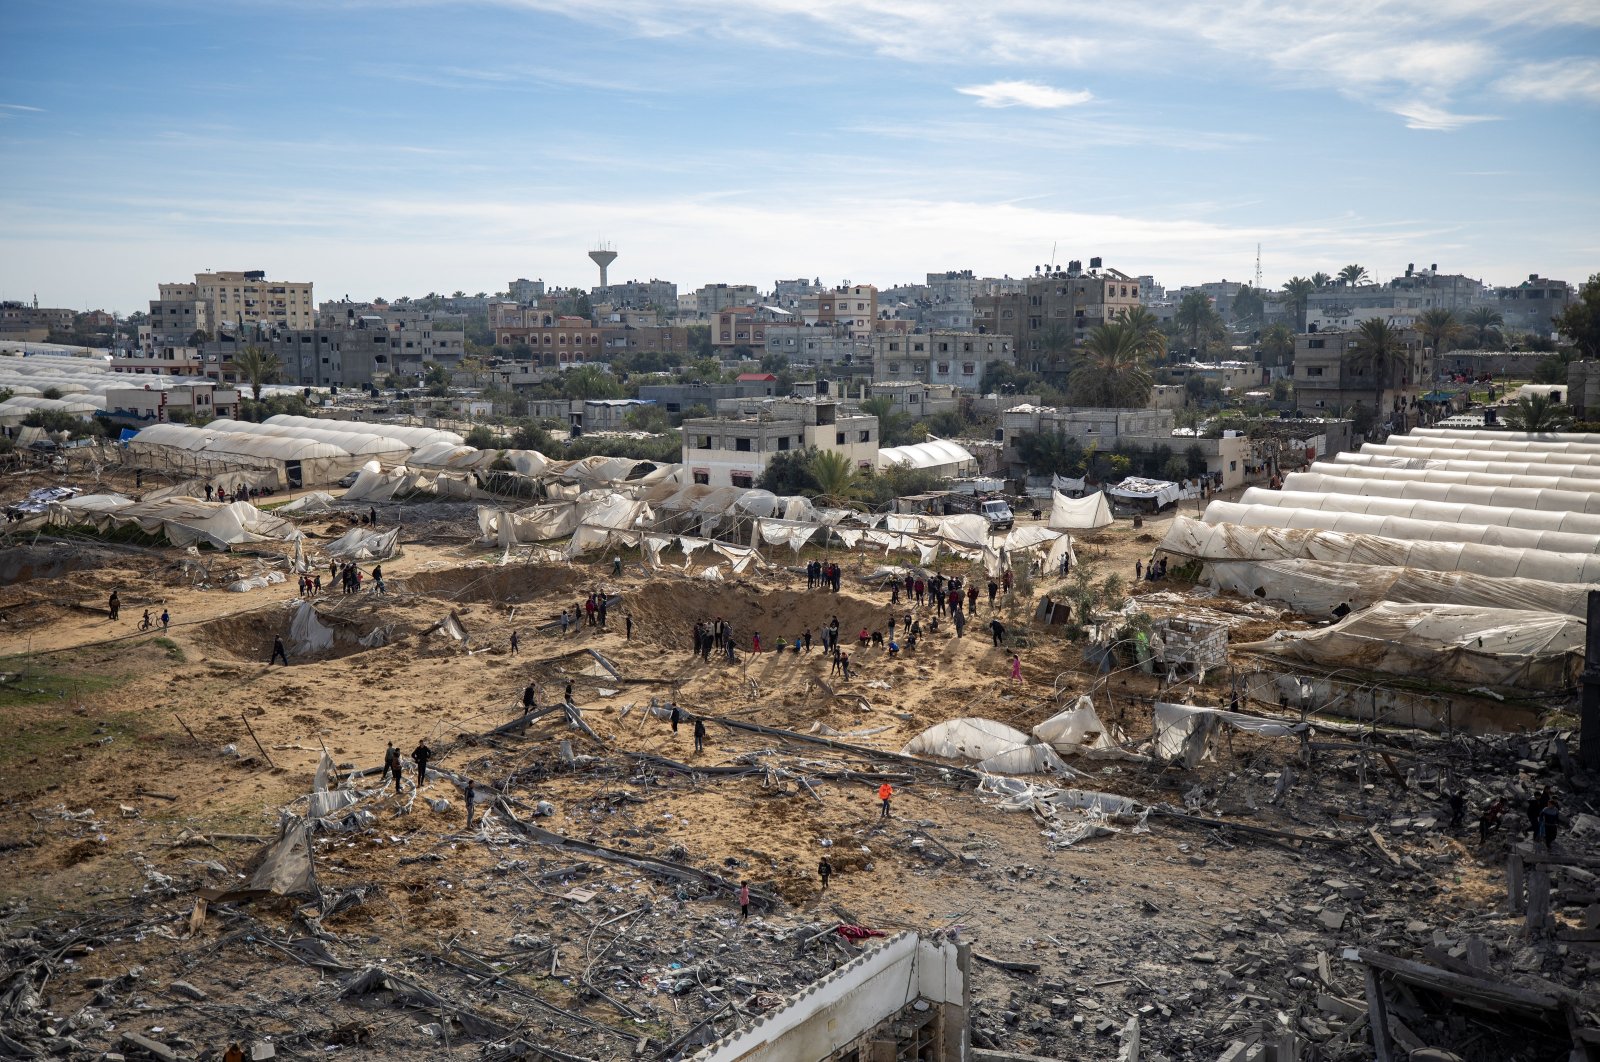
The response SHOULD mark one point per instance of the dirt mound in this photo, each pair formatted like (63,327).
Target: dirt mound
(665,612)
(509,584)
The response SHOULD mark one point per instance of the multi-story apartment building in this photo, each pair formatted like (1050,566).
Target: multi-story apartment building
(1059,307)
(807,345)
(1534,304)
(741,326)
(189,402)
(1329,376)
(959,359)
(525,291)
(660,295)
(362,354)
(714,297)
(419,336)
(854,306)
(734,448)
(248,297)
(33,324)
(159,360)
(788,293)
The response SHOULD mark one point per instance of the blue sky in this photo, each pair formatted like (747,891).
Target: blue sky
(381,149)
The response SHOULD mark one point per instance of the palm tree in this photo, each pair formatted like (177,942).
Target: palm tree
(1277,343)
(1320,280)
(836,477)
(1299,290)
(1483,318)
(1537,412)
(1438,326)
(1379,350)
(894,428)
(258,366)
(1147,327)
(1196,316)
(1353,274)
(1111,371)
(1057,344)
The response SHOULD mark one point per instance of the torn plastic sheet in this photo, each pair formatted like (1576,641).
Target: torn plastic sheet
(1183,731)
(306,634)
(256,582)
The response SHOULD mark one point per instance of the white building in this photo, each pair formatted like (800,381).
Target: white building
(733,449)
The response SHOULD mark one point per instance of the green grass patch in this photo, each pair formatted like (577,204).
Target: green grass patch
(174,650)
(34,685)
(49,739)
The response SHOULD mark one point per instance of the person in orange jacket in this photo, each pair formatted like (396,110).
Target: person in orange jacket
(884,793)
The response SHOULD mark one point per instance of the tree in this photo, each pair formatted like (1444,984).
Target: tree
(1438,326)
(1277,345)
(1378,350)
(1147,327)
(789,473)
(1299,290)
(1580,321)
(1483,318)
(1057,344)
(893,427)
(835,477)
(1046,453)
(1537,412)
(1197,317)
(1248,305)
(590,381)
(480,437)
(1353,274)
(1111,371)
(258,367)
(1320,280)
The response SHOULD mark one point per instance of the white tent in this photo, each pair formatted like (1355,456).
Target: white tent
(1076,730)
(1079,514)
(966,739)
(408,434)
(184,521)
(302,462)
(1450,643)
(1187,537)
(1500,468)
(1346,470)
(1545,499)
(391,451)
(1492,435)
(1484,452)
(936,455)
(1221,512)
(1420,508)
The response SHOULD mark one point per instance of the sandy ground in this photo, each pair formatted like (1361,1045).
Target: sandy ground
(148,733)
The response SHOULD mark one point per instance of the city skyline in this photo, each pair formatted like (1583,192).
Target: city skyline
(395,149)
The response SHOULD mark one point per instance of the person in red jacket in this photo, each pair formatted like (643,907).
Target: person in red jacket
(885,792)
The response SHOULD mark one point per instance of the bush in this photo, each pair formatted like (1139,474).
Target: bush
(480,438)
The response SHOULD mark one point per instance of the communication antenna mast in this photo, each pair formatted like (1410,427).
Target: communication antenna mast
(1258,267)
(1051,267)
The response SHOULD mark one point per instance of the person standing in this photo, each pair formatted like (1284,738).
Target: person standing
(1016,668)
(391,765)
(589,608)
(744,900)
(421,755)
(616,564)
(1490,819)
(972,599)
(1138,570)
(844,665)
(530,698)
(472,800)
(885,794)
(566,622)
(602,610)
(997,631)
(994,588)
(515,643)
(166,620)
(627,625)
(824,871)
(677,717)
(755,643)
(1535,808)
(699,734)
(959,618)
(278,652)
(115,605)
(1549,823)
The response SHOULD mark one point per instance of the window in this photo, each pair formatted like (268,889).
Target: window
(866,436)
(742,479)
(783,442)
(1233,466)
(968,368)
(742,444)
(917,347)
(1313,370)
(705,442)
(703,477)
(944,368)
(922,367)
(839,439)
(894,366)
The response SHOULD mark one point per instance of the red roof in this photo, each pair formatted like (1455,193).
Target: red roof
(757,377)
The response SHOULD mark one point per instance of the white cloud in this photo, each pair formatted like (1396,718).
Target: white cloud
(1420,115)
(1554,82)
(1025,94)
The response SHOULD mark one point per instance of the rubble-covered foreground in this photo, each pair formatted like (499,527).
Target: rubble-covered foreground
(177,884)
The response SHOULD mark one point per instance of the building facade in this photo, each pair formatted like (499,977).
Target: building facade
(1329,376)
(1055,309)
(956,359)
(714,297)
(733,449)
(851,307)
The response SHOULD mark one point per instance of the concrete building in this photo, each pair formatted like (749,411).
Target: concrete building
(1237,375)
(853,307)
(958,359)
(738,326)
(788,293)
(194,402)
(243,298)
(714,297)
(661,295)
(362,355)
(1065,304)
(824,348)
(165,360)
(1220,292)
(677,397)
(1534,304)
(524,291)
(733,449)
(1326,377)
(23,323)
(916,399)
(1231,457)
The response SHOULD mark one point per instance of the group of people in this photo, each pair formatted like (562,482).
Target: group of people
(394,765)
(716,636)
(820,576)
(1542,810)
(1149,573)
(239,493)
(349,577)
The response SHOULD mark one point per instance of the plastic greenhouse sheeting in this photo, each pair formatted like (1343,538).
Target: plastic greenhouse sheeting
(1331,589)
(1506,442)
(408,434)
(1504,496)
(1400,527)
(365,544)
(1189,537)
(1419,508)
(184,521)
(938,454)
(1459,644)
(1078,729)
(1504,468)
(1136,488)
(1183,731)
(1350,470)
(966,739)
(1079,514)
(1491,435)
(307,635)
(1485,453)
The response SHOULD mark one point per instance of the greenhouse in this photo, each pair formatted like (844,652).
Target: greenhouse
(190,451)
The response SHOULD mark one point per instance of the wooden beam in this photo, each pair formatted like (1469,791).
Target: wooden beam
(1459,984)
(1378,1013)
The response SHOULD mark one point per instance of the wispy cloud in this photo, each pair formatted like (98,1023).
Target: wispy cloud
(1025,94)
(12,110)
(1419,115)
(1554,82)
